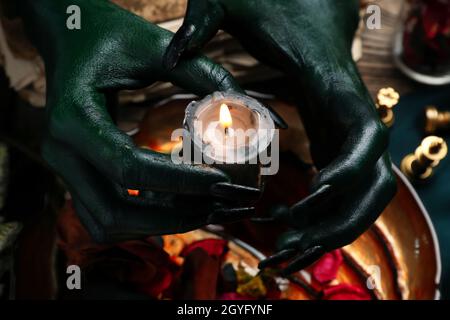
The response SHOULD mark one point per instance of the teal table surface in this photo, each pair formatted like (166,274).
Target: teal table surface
(405,135)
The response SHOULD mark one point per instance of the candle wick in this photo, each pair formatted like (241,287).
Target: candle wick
(226,131)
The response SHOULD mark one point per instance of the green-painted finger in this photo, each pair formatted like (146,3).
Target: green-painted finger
(303,260)
(357,213)
(110,216)
(277,258)
(230,215)
(364,143)
(87,127)
(202,76)
(350,219)
(300,212)
(202,21)
(231,191)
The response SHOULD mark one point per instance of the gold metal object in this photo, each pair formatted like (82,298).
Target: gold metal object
(419,165)
(409,243)
(436,120)
(387,98)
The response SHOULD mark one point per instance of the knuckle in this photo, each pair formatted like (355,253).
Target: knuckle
(377,134)
(353,170)
(223,77)
(381,134)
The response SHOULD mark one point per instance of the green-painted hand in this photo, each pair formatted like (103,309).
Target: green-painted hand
(116,50)
(310,40)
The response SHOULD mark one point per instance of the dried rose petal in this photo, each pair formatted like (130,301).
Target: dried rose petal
(152,286)
(214,247)
(327,267)
(435,17)
(345,292)
(153,271)
(139,263)
(427,31)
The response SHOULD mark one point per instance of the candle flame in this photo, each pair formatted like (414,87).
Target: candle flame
(225,116)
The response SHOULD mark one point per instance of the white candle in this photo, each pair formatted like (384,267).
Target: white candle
(229,128)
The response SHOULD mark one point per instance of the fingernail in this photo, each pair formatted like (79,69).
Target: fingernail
(235,192)
(304,260)
(263,220)
(171,57)
(231,215)
(276,258)
(177,46)
(319,195)
(279,121)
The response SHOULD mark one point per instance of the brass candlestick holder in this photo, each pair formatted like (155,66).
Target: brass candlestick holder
(436,120)
(387,98)
(420,164)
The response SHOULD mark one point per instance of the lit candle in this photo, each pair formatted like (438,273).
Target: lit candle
(230,128)
(225,118)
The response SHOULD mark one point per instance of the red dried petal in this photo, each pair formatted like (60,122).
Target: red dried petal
(327,267)
(152,286)
(434,17)
(214,247)
(155,271)
(345,292)
(140,263)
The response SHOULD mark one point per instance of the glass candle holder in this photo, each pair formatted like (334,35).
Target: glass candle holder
(230,131)
(422,41)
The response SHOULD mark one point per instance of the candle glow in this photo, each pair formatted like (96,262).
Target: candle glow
(228,128)
(133,193)
(225,116)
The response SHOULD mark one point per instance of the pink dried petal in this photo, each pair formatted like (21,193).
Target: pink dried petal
(327,267)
